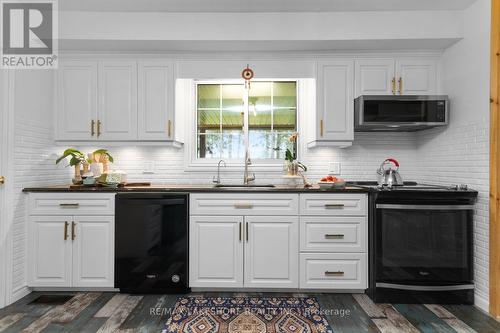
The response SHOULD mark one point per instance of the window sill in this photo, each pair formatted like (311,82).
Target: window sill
(199,166)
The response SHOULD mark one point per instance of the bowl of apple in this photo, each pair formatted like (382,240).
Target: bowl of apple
(330,182)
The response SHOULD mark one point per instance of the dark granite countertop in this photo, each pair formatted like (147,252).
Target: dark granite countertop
(197,188)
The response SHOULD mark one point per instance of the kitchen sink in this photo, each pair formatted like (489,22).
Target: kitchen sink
(244,186)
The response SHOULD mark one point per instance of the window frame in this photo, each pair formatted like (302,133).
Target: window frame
(202,164)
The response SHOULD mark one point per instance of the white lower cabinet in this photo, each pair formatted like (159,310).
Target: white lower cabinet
(50,251)
(235,243)
(271,251)
(72,251)
(93,248)
(216,251)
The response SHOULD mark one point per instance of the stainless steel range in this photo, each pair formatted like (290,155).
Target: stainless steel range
(421,243)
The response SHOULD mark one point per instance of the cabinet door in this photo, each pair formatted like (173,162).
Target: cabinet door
(77,100)
(417,77)
(375,77)
(156,101)
(93,251)
(118,100)
(335,101)
(216,251)
(49,251)
(271,252)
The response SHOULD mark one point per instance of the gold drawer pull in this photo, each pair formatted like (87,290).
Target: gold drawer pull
(243,206)
(338,273)
(69,205)
(334,206)
(334,236)
(66,230)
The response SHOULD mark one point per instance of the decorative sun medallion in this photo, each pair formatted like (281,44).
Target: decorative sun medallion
(247,75)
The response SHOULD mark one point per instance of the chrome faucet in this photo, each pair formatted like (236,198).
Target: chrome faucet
(246,177)
(217,180)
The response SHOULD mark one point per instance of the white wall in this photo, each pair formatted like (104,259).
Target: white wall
(33,157)
(460,154)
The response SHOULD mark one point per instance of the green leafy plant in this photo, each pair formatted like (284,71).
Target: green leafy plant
(76,156)
(104,152)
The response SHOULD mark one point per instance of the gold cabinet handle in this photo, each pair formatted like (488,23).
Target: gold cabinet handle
(243,206)
(69,205)
(334,236)
(66,230)
(92,127)
(393,86)
(170,128)
(400,84)
(334,206)
(337,273)
(321,127)
(2,180)
(98,128)
(246,223)
(73,233)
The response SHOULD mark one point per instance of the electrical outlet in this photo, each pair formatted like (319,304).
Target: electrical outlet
(334,168)
(149,167)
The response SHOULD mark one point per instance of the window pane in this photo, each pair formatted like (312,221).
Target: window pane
(209,145)
(282,143)
(259,102)
(232,106)
(208,96)
(208,119)
(285,94)
(261,144)
(232,146)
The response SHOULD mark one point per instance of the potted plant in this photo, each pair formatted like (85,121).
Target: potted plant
(293,166)
(76,160)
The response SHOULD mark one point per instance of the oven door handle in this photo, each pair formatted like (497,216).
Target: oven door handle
(426,207)
(424,288)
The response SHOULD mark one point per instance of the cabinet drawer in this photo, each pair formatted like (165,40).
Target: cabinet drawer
(244,204)
(333,234)
(333,271)
(333,204)
(71,204)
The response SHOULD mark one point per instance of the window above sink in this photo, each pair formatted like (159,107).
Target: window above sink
(220,114)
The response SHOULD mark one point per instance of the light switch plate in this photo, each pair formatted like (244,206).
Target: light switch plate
(149,167)
(334,168)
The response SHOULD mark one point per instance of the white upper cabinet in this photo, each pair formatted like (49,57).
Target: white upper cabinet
(416,77)
(375,77)
(77,96)
(117,100)
(405,76)
(156,101)
(335,116)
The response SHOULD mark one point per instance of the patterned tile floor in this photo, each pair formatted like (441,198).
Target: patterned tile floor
(112,312)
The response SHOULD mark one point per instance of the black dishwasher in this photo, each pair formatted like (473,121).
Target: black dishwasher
(151,243)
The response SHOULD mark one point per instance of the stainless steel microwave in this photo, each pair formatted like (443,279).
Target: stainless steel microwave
(400,113)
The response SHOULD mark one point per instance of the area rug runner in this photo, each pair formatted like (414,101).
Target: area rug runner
(247,315)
